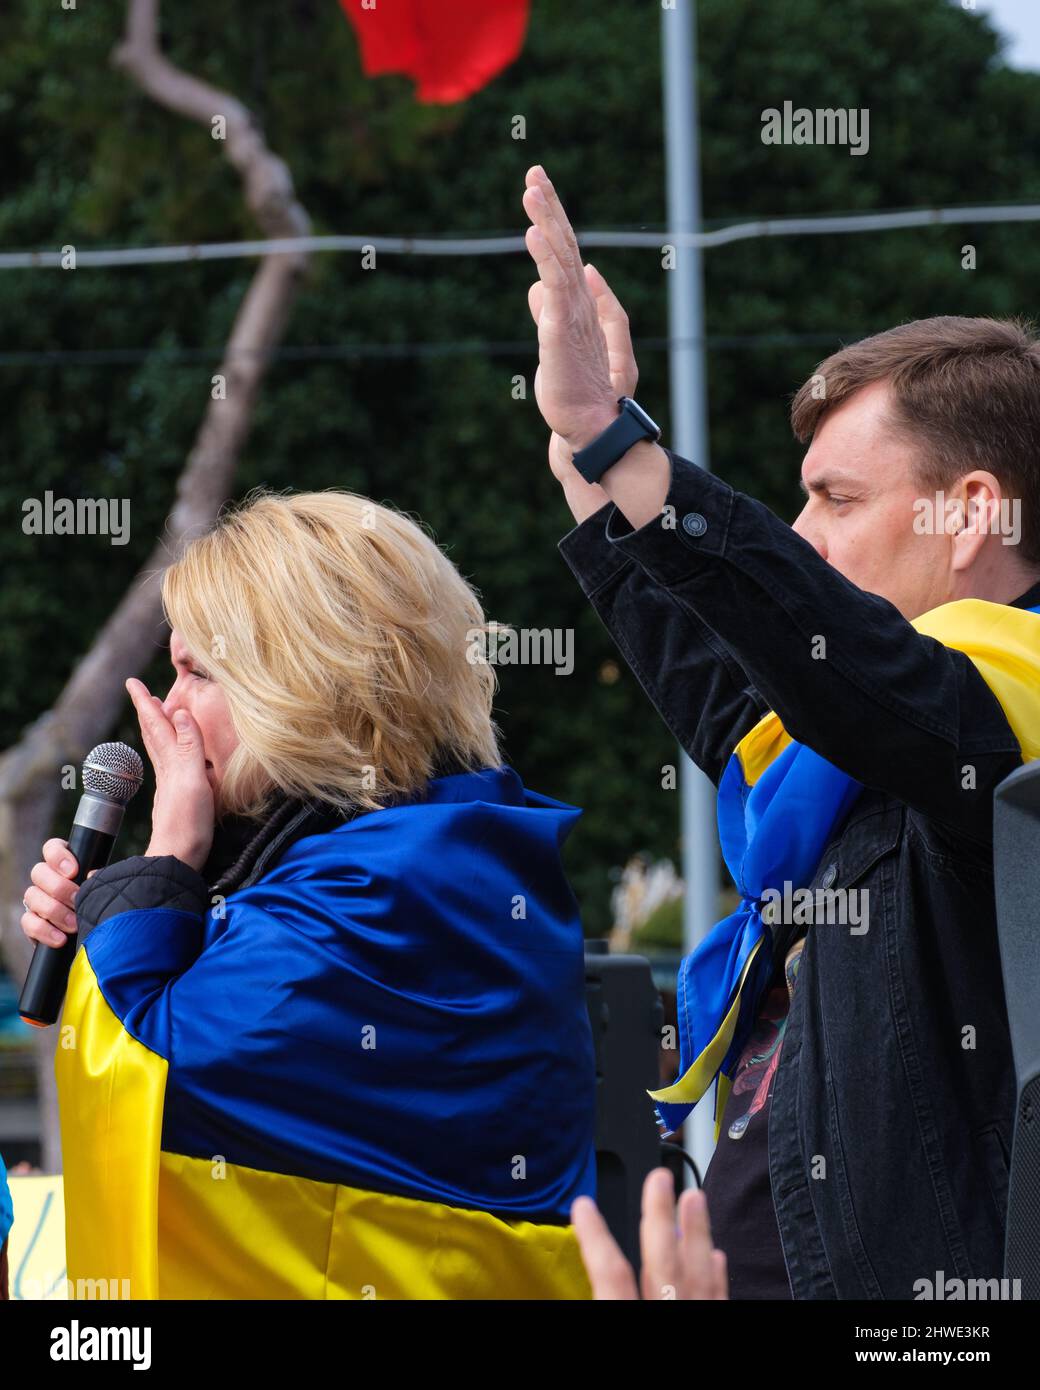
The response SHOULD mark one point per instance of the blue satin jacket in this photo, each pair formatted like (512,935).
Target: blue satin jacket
(397,1004)
(6,1207)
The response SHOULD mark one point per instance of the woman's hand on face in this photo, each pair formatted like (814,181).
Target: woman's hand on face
(183,810)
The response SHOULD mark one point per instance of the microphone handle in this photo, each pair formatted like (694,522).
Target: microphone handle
(44,990)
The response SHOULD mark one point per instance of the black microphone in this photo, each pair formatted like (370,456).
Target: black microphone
(112,774)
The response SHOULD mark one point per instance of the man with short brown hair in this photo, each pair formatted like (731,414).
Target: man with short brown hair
(857,686)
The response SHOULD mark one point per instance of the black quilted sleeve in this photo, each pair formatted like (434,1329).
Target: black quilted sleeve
(138,884)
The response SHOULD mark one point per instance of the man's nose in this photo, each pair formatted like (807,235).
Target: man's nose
(803,526)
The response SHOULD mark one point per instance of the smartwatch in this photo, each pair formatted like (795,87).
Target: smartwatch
(631,425)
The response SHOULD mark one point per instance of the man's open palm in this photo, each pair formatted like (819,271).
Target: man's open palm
(584,346)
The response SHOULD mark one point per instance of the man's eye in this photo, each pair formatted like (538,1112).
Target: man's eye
(838,501)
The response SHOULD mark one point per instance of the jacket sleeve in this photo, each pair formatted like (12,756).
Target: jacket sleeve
(143,924)
(692,678)
(844,670)
(140,884)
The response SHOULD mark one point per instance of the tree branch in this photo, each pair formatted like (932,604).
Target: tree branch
(94,695)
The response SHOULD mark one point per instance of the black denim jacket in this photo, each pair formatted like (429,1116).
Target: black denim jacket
(893,1103)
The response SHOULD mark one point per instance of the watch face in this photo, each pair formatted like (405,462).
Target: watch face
(634,408)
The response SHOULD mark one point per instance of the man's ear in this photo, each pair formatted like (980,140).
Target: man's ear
(978,496)
(984,496)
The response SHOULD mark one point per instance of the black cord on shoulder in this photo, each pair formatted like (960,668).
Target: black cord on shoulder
(684,1157)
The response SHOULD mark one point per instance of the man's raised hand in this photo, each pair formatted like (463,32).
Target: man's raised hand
(573,385)
(585,362)
(678,1259)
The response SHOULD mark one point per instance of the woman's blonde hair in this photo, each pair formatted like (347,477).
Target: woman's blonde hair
(343,640)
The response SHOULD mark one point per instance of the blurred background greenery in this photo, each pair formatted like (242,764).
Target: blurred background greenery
(398,382)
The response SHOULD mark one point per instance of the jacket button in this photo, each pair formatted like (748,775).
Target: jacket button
(829,875)
(694,524)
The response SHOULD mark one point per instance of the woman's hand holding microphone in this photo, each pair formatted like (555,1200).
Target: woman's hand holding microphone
(50,899)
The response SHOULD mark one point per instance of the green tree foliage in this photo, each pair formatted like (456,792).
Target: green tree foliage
(398,381)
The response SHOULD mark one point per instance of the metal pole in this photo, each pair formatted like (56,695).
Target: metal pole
(689,418)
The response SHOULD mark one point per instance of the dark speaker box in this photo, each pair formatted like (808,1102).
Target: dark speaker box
(626,1016)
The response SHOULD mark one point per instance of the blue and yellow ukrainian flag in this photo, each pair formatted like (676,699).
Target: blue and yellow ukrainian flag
(370,1076)
(779,806)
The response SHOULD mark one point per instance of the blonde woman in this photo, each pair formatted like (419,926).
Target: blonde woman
(339,1049)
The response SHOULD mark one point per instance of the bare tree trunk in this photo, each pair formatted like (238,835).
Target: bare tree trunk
(89,705)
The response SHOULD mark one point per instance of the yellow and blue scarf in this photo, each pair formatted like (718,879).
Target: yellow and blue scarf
(779,806)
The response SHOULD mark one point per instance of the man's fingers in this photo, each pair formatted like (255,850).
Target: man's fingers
(607,303)
(720,1276)
(699,1275)
(550,272)
(610,1274)
(552,243)
(548,246)
(547,211)
(657,1237)
(614,322)
(534,300)
(573,387)
(558,305)
(694,1222)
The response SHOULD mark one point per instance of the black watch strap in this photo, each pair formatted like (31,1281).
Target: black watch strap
(631,425)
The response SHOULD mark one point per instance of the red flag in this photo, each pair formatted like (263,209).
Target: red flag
(451,48)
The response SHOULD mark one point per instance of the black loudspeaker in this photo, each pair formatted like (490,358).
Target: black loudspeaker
(1016,844)
(626,1016)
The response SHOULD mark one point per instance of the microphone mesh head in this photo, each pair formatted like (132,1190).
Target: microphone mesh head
(115,771)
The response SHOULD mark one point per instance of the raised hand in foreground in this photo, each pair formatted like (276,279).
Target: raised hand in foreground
(678,1260)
